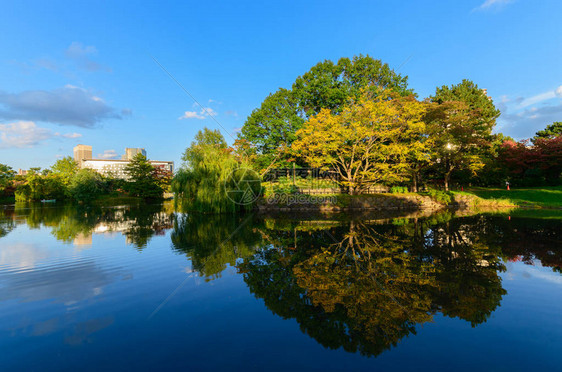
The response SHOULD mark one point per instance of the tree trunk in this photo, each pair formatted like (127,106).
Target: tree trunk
(415,182)
(447,175)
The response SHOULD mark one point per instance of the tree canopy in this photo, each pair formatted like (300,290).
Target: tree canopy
(460,121)
(551,131)
(367,142)
(212,179)
(65,168)
(6,175)
(271,128)
(143,181)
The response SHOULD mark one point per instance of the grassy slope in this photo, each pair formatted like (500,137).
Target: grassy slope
(533,197)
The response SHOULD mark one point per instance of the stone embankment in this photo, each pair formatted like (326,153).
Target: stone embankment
(376,202)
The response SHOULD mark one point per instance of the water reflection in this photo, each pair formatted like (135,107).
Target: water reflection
(77,224)
(362,284)
(213,242)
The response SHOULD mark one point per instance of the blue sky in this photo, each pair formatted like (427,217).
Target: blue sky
(83,72)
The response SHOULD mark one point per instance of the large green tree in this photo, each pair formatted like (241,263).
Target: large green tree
(6,175)
(551,131)
(271,128)
(203,139)
(142,180)
(65,168)
(460,121)
(330,85)
(86,185)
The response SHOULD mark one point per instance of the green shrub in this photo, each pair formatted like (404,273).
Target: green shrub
(285,186)
(398,189)
(439,196)
(40,187)
(86,185)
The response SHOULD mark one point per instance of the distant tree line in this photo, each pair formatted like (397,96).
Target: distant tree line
(66,181)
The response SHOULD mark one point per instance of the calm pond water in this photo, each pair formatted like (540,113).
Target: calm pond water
(144,288)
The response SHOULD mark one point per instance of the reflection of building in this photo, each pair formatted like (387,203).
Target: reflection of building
(114,167)
(83,239)
(120,224)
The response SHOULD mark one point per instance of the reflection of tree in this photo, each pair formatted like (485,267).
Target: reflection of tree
(383,290)
(369,285)
(7,224)
(528,239)
(138,223)
(212,242)
(144,223)
(466,268)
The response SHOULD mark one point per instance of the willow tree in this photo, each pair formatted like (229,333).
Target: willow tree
(371,141)
(212,179)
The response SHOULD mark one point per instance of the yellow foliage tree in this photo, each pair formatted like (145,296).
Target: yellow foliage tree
(373,140)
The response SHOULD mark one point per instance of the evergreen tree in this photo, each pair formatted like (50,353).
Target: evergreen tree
(142,180)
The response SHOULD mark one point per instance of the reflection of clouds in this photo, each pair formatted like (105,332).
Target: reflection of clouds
(67,283)
(23,255)
(77,333)
(534,271)
(46,327)
(552,277)
(83,330)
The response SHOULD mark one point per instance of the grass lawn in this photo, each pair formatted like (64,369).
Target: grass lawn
(532,197)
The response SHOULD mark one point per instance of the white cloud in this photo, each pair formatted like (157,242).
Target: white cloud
(526,123)
(65,106)
(47,64)
(209,111)
(82,55)
(77,49)
(22,134)
(25,134)
(71,135)
(108,154)
(205,112)
(541,97)
(490,4)
(191,115)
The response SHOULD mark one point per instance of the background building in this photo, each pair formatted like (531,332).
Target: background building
(114,167)
(81,153)
(130,153)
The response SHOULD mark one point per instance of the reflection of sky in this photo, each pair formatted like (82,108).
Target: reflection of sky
(534,272)
(23,255)
(40,275)
(65,281)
